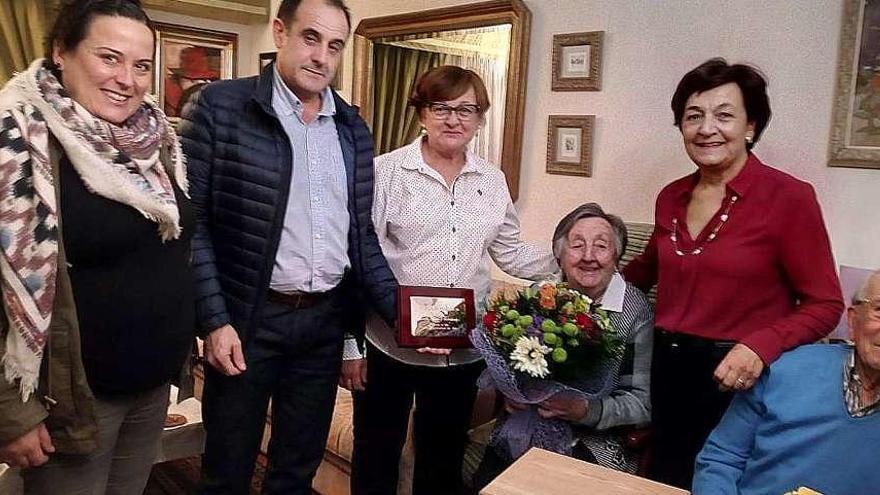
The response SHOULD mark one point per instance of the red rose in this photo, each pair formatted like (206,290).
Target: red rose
(489,319)
(588,326)
(583,320)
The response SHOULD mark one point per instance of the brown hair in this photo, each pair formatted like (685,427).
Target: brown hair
(448,82)
(717,72)
(287,10)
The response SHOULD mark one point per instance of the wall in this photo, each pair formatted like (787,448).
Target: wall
(649,45)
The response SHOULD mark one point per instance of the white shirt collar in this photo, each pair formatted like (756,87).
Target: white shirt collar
(416,160)
(612,300)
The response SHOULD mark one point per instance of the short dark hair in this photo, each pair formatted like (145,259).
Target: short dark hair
(589,210)
(76,16)
(448,82)
(287,10)
(717,72)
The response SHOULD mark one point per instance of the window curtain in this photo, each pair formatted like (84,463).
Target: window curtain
(22,31)
(396,70)
(487,141)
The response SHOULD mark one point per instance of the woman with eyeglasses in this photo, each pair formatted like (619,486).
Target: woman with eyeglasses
(441,213)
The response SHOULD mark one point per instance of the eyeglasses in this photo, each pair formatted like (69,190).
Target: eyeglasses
(872,305)
(465,113)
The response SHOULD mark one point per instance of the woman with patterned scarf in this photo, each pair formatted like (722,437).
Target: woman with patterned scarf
(95,227)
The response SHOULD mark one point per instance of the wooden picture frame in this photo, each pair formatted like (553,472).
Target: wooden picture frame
(855,127)
(577,61)
(188,58)
(440,317)
(570,145)
(267,58)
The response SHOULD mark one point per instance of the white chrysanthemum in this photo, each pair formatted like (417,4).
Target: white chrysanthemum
(528,356)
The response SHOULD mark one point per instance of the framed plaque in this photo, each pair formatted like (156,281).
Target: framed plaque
(439,317)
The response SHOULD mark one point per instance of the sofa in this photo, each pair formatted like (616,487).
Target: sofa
(333,474)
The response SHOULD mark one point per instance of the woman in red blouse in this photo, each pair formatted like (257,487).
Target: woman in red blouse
(741,260)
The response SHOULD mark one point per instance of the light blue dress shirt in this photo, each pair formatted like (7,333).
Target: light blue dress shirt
(313,250)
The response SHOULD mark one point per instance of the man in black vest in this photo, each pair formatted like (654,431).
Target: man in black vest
(285,254)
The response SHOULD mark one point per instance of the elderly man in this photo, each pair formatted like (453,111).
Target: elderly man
(284,251)
(811,421)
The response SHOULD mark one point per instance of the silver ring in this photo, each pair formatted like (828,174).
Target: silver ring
(740,381)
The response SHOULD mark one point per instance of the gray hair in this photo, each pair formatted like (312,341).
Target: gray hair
(862,294)
(589,210)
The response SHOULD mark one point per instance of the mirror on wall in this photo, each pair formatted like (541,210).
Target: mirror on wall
(490,38)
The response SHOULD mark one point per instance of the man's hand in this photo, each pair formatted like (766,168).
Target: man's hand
(223,351)
(28,450)
(739,369)
(564,406)
(354,374)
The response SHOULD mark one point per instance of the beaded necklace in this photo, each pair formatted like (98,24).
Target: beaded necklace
(712,235)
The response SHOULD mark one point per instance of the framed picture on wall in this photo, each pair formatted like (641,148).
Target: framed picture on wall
(439,317)
(266,58)
(855,128)
(570,145)
(577,61)
(188,58)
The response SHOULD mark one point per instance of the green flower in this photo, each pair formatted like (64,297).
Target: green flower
(511,314)
(551,338)
(507,330)
(559,355)
(549,325)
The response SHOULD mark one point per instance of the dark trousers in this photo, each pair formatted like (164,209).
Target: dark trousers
(294,357)
(686,403)
(444,400)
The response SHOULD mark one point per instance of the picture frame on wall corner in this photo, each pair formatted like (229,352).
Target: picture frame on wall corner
(188,58)
(577,61)
(855,124)
(570,145)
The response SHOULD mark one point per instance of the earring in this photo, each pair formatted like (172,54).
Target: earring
(749,139)
(423,131)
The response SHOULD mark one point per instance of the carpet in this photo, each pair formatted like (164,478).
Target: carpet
(181,477)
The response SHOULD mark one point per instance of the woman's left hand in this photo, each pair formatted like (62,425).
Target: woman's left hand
(434,350)
(563,406)
(739,369)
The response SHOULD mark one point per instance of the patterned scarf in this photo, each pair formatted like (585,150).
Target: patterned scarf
(121,163)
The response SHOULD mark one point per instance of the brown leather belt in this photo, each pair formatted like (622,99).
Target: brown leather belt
(299,300)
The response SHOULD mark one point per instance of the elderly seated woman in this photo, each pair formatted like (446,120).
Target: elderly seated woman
(588,244)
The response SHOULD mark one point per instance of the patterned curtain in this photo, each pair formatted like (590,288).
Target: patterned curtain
(396,70)
(22,31)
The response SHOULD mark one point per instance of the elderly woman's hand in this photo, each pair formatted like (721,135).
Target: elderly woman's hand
(739,369)
(564,406)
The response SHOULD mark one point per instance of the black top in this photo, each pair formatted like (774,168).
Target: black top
(133,292)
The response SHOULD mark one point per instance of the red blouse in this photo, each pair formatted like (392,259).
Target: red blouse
(767,279)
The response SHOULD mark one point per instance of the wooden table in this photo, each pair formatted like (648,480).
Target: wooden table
(545,473)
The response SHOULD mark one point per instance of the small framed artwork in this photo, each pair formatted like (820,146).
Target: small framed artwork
(577,61)
(266,58)
(189,58)
(855,125)
(570,145)
(435,316)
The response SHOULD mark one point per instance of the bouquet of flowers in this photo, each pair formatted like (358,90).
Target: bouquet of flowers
(550,331)
(542,341)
